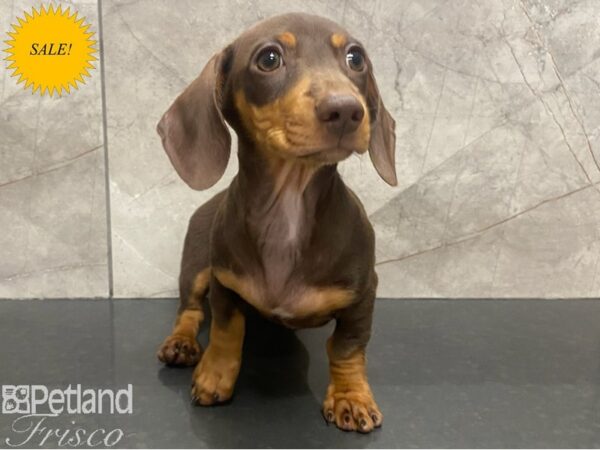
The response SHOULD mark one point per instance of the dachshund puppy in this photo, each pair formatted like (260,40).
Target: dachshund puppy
(287,238)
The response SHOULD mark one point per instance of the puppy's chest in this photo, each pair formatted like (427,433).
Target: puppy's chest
(280,286)
(294,305)
(281,235)
(276,273)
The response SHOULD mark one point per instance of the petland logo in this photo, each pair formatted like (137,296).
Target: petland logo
(40,408)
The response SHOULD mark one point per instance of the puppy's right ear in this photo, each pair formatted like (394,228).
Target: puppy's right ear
(193,129)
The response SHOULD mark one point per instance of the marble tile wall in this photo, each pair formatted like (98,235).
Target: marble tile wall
(497,107)
(53,236)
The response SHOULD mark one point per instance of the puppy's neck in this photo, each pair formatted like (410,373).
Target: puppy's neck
(280,198)
(280,195)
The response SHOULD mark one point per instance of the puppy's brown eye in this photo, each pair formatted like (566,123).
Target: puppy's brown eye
(355,59)
(269,60)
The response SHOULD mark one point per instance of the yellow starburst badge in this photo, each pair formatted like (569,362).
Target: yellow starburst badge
(50,50)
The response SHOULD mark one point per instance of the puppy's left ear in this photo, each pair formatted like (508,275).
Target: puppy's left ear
(382,145)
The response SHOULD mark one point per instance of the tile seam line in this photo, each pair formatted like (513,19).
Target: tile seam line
(106,160)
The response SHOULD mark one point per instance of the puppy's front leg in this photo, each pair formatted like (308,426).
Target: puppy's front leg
(181,346)
(349,401)
(216,373)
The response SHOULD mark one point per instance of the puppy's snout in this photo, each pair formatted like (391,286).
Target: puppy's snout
(341,113)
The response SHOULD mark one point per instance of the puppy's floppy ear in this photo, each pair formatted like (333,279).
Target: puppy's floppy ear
(193,129)
(382,145)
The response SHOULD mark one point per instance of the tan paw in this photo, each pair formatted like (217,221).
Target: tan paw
(214,379)
(353,410)
(180,350)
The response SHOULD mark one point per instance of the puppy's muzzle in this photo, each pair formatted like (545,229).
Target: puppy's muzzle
(340,113)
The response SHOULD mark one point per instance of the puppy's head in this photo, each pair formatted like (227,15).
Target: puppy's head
(297,86)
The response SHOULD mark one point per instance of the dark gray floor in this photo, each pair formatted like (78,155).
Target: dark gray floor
(446,373)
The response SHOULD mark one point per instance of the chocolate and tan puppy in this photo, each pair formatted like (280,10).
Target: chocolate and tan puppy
(287,237)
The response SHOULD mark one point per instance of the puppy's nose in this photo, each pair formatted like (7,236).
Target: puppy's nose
(341,113)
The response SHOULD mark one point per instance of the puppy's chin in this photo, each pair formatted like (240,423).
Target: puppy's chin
(326,152)
(338,151)
(327,156)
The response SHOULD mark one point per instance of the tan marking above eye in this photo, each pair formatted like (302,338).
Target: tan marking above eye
(338,40)
(287,39)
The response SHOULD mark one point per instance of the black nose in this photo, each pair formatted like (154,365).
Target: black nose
(341,113)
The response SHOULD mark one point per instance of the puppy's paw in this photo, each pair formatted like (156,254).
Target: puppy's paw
(352,410)
(180,350)
(214,378)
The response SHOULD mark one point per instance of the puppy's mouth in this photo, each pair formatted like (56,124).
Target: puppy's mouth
(327,149)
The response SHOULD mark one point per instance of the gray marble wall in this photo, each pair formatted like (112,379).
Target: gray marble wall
(497,105)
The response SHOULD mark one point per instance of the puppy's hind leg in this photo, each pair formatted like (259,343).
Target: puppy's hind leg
(181,347)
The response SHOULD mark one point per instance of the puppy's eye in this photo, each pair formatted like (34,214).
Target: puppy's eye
(269,60)
(355,59)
